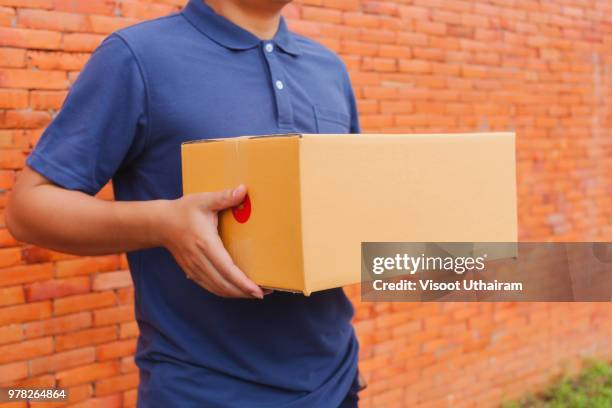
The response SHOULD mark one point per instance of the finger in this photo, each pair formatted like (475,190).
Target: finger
(204,281)
(222,285)
(222,261)
(204,274)
(192,271)
(196,271)
(220,200)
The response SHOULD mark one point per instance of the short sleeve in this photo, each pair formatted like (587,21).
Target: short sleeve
(102,125)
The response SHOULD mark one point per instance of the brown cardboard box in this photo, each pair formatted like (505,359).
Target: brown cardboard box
(315,198)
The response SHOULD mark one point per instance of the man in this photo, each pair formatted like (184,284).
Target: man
(208,336)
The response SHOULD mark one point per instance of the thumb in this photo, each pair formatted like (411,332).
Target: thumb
(220,200)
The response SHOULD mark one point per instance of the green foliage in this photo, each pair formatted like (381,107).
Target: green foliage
(591,389)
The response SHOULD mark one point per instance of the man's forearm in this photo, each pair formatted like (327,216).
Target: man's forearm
(74,222)
(44,214)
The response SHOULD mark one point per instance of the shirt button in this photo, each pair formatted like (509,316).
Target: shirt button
(279,85)
(269,47)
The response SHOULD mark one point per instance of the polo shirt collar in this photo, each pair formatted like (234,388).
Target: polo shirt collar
(231,36)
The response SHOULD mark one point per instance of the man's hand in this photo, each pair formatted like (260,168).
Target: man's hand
(190,233)
(44,214)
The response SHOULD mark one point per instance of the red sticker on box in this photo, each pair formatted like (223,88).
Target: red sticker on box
(242,211)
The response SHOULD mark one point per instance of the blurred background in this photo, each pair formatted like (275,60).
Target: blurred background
(540,68)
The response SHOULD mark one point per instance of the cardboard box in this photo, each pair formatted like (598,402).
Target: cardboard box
(315,198)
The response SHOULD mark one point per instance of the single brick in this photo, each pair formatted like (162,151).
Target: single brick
(109,351)
(13,98)
(52,20)
(25,274)
(27,78)
(112,280)
(27,38)
(128,330)
(87,265)
(25,313)
(145,10)
(14,371)
(113,315)
(11,295)
(78,303)
(58,325)
(81,42)
(45,100)
(25,350)
(85,7)
(115,384)
(85,338)
(11,333)
(62,360)
(87,373)
(56,60)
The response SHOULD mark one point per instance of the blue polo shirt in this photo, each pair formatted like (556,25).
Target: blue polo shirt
(193,75)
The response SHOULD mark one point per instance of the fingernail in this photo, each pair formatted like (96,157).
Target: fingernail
(258,295)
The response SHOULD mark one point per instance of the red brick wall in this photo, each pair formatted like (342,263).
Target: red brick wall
(542,68)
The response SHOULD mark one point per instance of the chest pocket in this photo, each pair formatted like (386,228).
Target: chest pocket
(331,120)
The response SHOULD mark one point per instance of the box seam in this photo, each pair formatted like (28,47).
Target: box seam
(305,284)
